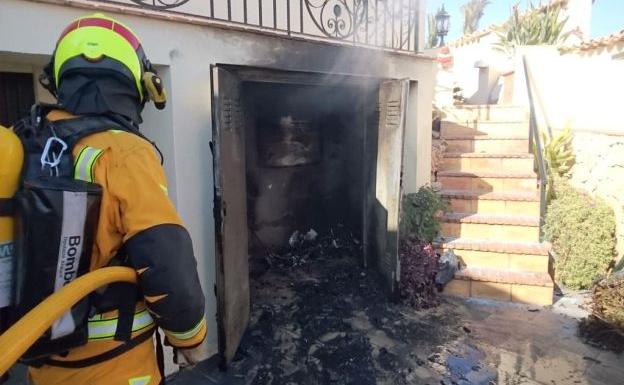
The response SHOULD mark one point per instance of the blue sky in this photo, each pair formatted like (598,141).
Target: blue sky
(607,15)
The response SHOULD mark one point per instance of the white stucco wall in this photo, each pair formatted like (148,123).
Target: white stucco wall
(184,53)
(582,92)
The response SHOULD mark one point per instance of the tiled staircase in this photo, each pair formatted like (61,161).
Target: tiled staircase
(493,225)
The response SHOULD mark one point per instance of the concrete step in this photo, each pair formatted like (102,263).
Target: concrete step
(518,228)
(469,113)
(502,285)
(513,129)
(486,143)
(513,256)
(479,162)
(487,202)
(489,181)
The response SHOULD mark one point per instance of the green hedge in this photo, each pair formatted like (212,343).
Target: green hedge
(582,232)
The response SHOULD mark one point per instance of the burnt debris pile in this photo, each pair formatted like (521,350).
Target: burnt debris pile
(604,328)
(304,247)
(319,317)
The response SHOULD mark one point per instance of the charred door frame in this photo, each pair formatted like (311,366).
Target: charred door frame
(232,313)
(277,76)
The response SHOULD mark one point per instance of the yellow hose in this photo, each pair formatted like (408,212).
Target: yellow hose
(21,336)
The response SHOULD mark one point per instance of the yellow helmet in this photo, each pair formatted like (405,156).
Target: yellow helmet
(98,42)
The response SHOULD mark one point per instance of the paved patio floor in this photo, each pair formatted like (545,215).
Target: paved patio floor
(506,344)
(360,338)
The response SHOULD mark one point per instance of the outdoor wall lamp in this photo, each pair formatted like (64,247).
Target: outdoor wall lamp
(442,24)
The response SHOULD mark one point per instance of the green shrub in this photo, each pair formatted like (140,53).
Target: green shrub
(581,230)
(420,214)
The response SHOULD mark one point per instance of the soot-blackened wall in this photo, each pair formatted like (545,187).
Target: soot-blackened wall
(305,148)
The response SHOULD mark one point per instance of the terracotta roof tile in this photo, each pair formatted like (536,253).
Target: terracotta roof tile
(588,45)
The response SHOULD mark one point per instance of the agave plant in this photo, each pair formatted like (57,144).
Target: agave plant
(544,25)
(558,155)
(473,12)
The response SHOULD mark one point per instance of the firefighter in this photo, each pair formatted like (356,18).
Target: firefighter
(99,69)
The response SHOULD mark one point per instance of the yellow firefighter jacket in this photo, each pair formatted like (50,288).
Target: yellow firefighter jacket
(137,213)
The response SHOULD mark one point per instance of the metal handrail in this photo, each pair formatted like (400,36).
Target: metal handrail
(535,144)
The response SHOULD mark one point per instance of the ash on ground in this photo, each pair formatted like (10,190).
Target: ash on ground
(318,317)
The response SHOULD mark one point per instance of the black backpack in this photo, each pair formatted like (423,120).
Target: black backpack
(56,222)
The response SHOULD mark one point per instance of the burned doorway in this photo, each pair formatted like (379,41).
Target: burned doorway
(297,151)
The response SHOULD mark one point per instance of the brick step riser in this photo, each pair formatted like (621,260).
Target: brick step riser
(450,129)
(509,292)
(488,206)
(488,184)
(494,146)
(490,232)
(487,164)
(487,114)
(500,260)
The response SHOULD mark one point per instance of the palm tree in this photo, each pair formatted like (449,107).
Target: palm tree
(432,32)
(473,12)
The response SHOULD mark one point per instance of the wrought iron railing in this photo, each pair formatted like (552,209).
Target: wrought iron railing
(388,24)
(535,144)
